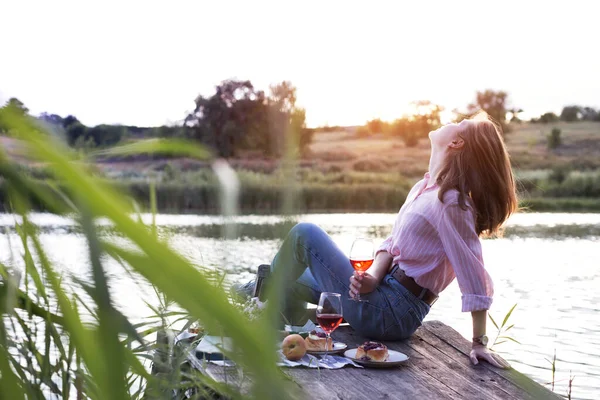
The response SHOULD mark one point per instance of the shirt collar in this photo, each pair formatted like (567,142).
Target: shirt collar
(426,179)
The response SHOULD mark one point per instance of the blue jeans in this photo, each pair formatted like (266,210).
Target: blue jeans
(313,264)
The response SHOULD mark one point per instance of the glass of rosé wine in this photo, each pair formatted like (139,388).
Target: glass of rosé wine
(329,315)
(362,254)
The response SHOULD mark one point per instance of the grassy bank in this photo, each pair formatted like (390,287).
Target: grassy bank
(343,172)
(267,198)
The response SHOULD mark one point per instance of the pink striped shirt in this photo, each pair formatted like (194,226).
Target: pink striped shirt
(434,242)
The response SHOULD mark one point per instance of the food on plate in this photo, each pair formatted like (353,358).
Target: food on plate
(372,351)
(316,341)
(293,347)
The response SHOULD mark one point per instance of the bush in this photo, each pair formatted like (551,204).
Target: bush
(362,132)
(554,139)
(370,165)
(376,126)
(559,174)
(335,156)
(171,172)
(410,139)
(547,118)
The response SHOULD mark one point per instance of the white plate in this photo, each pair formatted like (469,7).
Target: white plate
(338,347)
(395,358)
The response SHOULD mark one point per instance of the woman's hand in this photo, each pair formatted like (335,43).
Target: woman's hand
(483,353)
(362,284)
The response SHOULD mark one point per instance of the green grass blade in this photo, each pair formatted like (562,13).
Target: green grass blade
(510,338)
(9,383)
(493,322)
(111,381)
(508,315)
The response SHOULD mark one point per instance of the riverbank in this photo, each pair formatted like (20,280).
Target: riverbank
(344,172)
(269,198)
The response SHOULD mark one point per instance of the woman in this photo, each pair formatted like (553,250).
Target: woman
(469,191)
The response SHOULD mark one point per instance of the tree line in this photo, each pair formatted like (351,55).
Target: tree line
(425,117)
(570,113)
(236,118)
(239,118)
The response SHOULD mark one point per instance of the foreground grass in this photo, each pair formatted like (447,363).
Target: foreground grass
(64,338)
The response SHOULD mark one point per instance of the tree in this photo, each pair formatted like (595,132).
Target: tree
(287,121)
(283,96)
(51,119)
(548,117)
(221,120)
(589,114)
(404,128)
(375,126)
(492,102)
(238,117)
(570,114)
(425,117)
(17,104)
(74,130)
(105,135)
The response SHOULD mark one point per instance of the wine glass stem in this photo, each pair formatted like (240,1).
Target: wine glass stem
(361,274)
(327,344)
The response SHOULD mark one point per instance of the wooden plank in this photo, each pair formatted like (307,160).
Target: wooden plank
(446,370)
(524,387)
(230,376)
(350,382)
(353,383)
(455,369)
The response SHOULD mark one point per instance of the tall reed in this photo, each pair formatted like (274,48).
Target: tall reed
(52,340)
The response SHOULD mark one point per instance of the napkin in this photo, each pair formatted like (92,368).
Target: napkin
(308,326)
(310,361)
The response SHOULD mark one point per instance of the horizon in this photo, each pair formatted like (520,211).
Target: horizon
(104,64)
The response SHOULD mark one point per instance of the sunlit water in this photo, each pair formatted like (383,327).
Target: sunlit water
(547,263)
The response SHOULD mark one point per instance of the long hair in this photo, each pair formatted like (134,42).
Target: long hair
(481,170)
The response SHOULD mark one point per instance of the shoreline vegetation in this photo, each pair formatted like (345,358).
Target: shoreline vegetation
(198,191)
(309,199)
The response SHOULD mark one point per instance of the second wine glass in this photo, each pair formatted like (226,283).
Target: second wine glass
(361,257)
(329,315)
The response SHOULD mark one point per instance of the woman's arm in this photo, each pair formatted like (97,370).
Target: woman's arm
(372,278)
(463,248)
(479,351)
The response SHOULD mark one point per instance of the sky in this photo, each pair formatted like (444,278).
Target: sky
(144,62)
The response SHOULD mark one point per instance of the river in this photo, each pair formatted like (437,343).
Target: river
(547,263)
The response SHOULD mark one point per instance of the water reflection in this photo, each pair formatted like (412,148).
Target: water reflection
(583,226)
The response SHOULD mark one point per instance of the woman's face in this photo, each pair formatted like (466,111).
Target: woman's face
(442,138)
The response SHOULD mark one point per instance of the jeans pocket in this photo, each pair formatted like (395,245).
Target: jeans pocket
(407,325)
(413,322)
(403,326)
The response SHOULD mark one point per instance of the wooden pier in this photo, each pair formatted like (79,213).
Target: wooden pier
(438,368)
